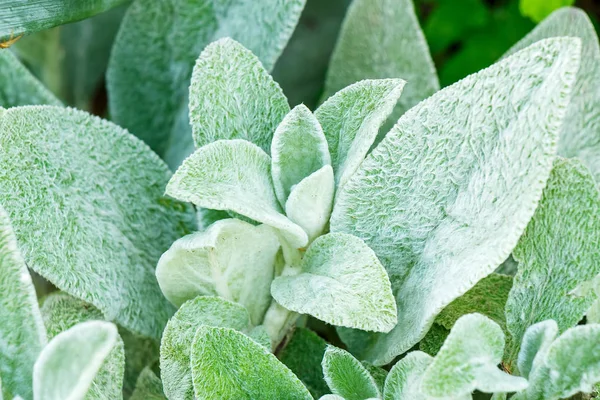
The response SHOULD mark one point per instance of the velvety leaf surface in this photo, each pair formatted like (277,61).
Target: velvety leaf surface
(340,282)
(534,347)
(22,332)
(378,373)
(152,60)
(148,387)
(435,199)
(558,252)
(227,364)
(404,379)
(68,364)
(434,340)
(351,119)
(580,134)
(347,377)
(232,259)
(100,221)
(234,175)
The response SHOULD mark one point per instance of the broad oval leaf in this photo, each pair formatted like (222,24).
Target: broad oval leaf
(234,175)
(100,221)
(404,380)
(176,344)
(22,331)
(347,377)
(232,259)
(148,387)
(227,364)
(68,364)
(469,360)
(299,148)
(351,119)
(155,50)
(341,282)
(435,200)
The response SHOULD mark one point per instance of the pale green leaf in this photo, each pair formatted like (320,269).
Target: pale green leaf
(469,360)
(498,396)
(18,87)
(60,313)
(558,252)
(232,259)
(382,39)
(154,54)
(404,379)
(22,332)
(232,96)
(68,364)
(347,377)
(445,178)
(537,10)
(351,119)
(299,148)
(342,283)
(310,203)
(226,364)
(234,175)
(148,387)
(331,397)
(536,342)
(580,135)
(25,17)
(177,339)
(100,221)
(379,374)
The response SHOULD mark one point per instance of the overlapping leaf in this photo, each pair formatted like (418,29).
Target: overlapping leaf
(347,377)
(148,387)
(404,379)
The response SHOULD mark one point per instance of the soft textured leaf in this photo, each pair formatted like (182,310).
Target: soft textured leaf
(383,39)
(468,360)
(100,221)
(148,387)
(60,313)
(177,339)
(232,259)
(152,60)
(303,355)
(22,332)
(310,202)
(537,10)
(580,135)
(234,175)
(378,373)
(404,379)
(18,87)
(351,119)
(67,366)
(299,148)
(341,282)
(445,178)
(24,17)
(536,341)
(347,377)
(558,252)
(432,342)
(226,364)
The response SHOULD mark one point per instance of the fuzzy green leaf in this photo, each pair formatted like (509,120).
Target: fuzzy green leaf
(25,17)
(232,96)
(232,259)
(100,221)
(148,387)
(351,119)
(579,136)
(234,175)
(177,339)
(299,148)
(378,373)
(536,342)
(18,87)
(68,364)
(347,377)
(558,253)
(404,380)
(433,341)
(342,283)
(154,54)
(469,360)
(445,177)
(226,364)
(22,332)
(310,203)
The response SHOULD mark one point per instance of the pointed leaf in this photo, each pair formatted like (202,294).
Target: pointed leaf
(341,282)
(234,175)
(445,178)
(346,376)
(404,379)
(468,360)
(148,387)
(22,331)
(226,364)
(351,119)
(67,366)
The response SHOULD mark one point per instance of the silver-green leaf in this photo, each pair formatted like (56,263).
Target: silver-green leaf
(148,387)
(404,380)
(347,377)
